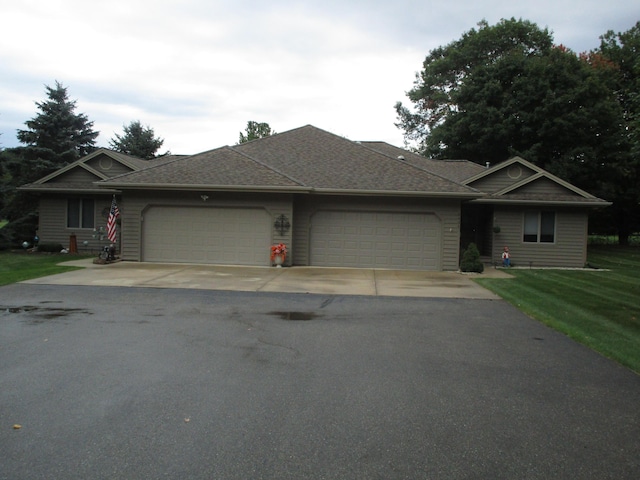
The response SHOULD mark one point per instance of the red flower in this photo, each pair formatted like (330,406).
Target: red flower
(279,249)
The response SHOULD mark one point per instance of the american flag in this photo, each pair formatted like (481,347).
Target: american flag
(111,222)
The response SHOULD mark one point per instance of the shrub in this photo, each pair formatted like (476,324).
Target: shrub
(50,247)
(5,244)
(471,260)
(21,230)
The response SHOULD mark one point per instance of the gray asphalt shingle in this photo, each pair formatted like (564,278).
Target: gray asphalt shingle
(305,157)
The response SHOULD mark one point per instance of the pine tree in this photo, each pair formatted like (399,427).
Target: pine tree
(55,137)
(137,141)
(58,129)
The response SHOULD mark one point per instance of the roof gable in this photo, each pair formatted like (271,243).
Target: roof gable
(108,166)
(99,165)
(517,180)
(79,174)
(492,180)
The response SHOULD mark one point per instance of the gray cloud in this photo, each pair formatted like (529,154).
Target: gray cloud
(196,71)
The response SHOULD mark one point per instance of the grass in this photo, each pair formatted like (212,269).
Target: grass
(3,223)
(16,267)
(600,309)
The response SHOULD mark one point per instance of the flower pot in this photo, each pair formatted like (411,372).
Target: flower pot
(278,260)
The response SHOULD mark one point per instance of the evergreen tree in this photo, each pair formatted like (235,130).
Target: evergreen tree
(137,141)
(57,132)
(54,138)
(471,260)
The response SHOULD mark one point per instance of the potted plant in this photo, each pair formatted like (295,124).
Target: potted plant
(278,254)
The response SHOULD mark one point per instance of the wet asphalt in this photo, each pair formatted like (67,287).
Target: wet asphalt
(139,383)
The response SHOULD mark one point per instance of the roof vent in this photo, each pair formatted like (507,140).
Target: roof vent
(401,157)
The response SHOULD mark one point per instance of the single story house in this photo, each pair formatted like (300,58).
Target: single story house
(332,201)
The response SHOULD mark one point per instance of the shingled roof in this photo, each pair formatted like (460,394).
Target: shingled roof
(304,159)
(80,177)
(224,167)
(457,170)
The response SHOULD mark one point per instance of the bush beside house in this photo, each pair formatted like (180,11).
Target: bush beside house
(471,260)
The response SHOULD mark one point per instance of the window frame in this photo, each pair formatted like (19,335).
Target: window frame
(540,220)
(80,216)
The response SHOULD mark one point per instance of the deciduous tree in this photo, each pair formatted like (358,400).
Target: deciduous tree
(506,90)
(254,131)
(618,60)
(447,69)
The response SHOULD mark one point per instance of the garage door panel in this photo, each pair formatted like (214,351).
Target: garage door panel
(206,235)
(375,239)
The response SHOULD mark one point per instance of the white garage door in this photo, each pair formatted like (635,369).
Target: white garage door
(228,236)
(375,240)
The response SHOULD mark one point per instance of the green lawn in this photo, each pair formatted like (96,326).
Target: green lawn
(600,309)
(16,267)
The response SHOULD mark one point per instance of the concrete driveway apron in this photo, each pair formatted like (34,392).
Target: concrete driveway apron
(336,281)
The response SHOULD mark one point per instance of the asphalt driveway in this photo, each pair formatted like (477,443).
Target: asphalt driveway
(138,383)
(338,281)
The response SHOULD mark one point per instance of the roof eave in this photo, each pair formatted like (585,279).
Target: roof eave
(589,203)
(26,188)
(207,187)
(291,189)
(396,193)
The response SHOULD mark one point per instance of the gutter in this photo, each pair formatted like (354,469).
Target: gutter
(292,189)
(207,187)
(68,190)
(557,203)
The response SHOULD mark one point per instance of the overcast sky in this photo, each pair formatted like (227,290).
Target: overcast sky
(197,70)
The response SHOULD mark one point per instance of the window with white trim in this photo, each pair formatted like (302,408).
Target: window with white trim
(539,227)
(80,213)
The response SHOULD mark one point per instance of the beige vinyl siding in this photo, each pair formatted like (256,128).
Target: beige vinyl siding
(569,248)
(77,175)
(503,178)
(108,166)
(52,227)
(545,186)
(138,203)
(447,213)
(53,220)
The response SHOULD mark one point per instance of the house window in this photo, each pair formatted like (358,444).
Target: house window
(539,227)
(80,213)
